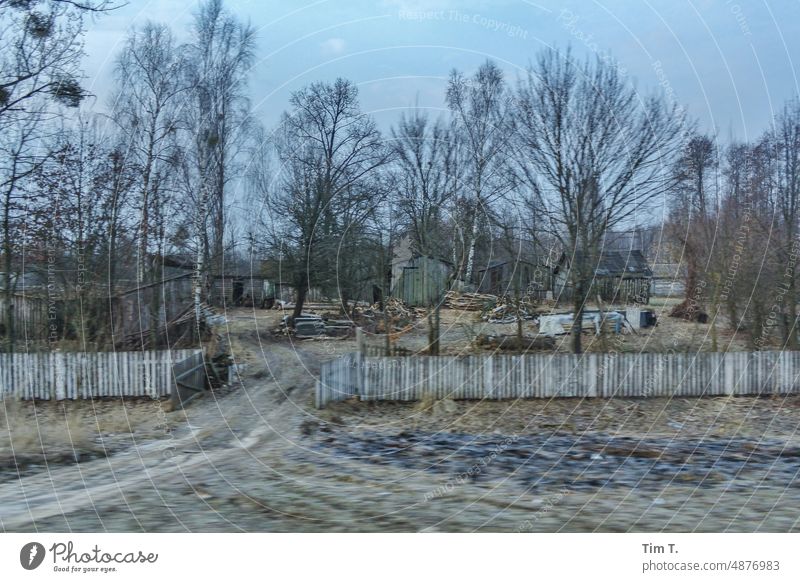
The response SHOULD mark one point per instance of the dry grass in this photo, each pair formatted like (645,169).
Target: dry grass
(67,431)
(28,435)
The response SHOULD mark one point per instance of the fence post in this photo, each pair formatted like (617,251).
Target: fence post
(360,340)
(359,373)
(61,376)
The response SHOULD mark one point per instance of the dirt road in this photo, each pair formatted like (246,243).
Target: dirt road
(260,458)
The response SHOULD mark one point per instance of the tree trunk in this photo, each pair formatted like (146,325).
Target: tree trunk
(471,251)
(579,296)
(8,292)
(434,329)
(577,321)
(301,291)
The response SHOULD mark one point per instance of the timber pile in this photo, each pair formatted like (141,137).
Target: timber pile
(399,314)
(505,311)
(468,301)
(310,325)
(396,309)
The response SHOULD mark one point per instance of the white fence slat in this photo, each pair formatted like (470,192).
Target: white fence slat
(78,375)
(546,376)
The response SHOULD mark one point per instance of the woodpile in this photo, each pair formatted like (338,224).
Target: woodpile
(396,309)
(399,315)
(468,301)
(505,310)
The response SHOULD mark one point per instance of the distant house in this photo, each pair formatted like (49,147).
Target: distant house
(668,280)
(38,305)
(504,277)
(619,277)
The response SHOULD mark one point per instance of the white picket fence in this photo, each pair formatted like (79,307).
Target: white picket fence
(78,375)
(561,375)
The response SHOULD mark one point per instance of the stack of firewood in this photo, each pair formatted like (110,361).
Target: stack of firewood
(468,301)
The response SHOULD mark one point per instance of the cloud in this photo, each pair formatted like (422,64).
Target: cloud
(333,47)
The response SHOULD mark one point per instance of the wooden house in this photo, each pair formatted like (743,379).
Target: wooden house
(617,276)
(669,280)
(533,278)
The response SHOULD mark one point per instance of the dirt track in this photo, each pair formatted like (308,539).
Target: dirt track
(262,459)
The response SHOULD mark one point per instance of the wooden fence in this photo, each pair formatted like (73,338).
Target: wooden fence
(78,375)
(562,375)
(31,318)
(190,379)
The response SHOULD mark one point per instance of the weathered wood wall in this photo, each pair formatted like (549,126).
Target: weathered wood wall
(71,375)
(546,376)
(31,316)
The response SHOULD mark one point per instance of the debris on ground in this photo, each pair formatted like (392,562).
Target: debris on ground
(512,342)
(468,301)
(689,312)
(179,332)
(399,315)
(606,322)
(505,310)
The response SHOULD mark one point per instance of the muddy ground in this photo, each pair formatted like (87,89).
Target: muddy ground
(261,458)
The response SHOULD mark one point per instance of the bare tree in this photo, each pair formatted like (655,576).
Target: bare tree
(426,167)
(217,65)
(593,151)
(75,219)
(326,148)
(785,140)
(21,154)
(40,51)
(692,219)
(427,171)
(480,110)
(146,109)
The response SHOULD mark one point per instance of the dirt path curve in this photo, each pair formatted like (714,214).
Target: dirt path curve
(261,458)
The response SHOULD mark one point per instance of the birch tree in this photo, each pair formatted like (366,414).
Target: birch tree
(480,110)
(150,90)
(218,61)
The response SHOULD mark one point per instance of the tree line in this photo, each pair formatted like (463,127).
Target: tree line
(557,158)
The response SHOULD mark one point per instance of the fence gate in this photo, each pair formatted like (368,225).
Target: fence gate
(191,379)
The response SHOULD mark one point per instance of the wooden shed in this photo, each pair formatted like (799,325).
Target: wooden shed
(502,277)
(421,281)
(618,277)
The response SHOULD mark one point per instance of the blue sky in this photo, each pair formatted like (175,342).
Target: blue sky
(731,63)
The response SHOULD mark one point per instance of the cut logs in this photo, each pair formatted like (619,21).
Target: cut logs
(468,301)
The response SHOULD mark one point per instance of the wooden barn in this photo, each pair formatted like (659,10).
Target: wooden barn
(420,281)
(504,277)
(238,289)
(618,277)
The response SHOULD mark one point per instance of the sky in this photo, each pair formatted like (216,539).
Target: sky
(731,63)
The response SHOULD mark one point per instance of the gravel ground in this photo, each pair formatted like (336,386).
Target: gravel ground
(260,458)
